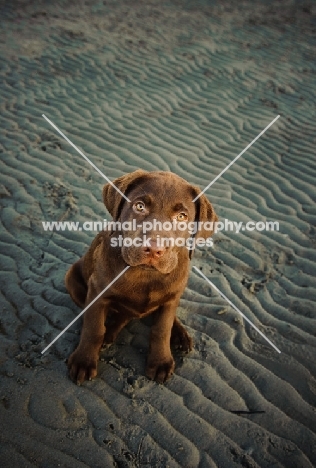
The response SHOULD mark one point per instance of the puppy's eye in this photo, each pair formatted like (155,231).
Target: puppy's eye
(182,217)
(139,207)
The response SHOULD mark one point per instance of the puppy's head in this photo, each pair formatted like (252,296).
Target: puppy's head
(160,221)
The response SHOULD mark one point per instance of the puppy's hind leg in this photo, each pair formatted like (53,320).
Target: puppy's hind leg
(180,338)
(76,284)
(117,322)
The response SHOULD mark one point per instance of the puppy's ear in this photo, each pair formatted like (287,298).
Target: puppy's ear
(112,198)
(205,213)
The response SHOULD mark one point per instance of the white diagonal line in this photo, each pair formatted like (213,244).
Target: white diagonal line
(234,160)
(236,308)
(83,311)
(86,158)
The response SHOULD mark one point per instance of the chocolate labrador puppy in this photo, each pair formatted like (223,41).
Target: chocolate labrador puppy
(151,235)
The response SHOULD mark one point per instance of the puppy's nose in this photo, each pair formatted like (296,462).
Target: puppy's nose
(155,250)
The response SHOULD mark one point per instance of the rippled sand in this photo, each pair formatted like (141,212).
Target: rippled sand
(182,86)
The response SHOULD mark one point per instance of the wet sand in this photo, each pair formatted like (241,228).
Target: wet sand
(181,86)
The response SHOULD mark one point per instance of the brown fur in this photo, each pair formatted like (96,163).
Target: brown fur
(153,283)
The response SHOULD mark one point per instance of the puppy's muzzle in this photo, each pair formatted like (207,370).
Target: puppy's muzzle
(153,252)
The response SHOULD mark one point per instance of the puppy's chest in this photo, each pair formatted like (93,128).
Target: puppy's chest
(143,298)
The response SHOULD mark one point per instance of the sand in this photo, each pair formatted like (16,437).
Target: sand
(170,85)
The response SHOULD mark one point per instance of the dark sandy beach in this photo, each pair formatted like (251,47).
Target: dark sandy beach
(171,85)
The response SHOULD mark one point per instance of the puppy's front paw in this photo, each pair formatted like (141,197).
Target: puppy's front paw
(82,366)
(160,370)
